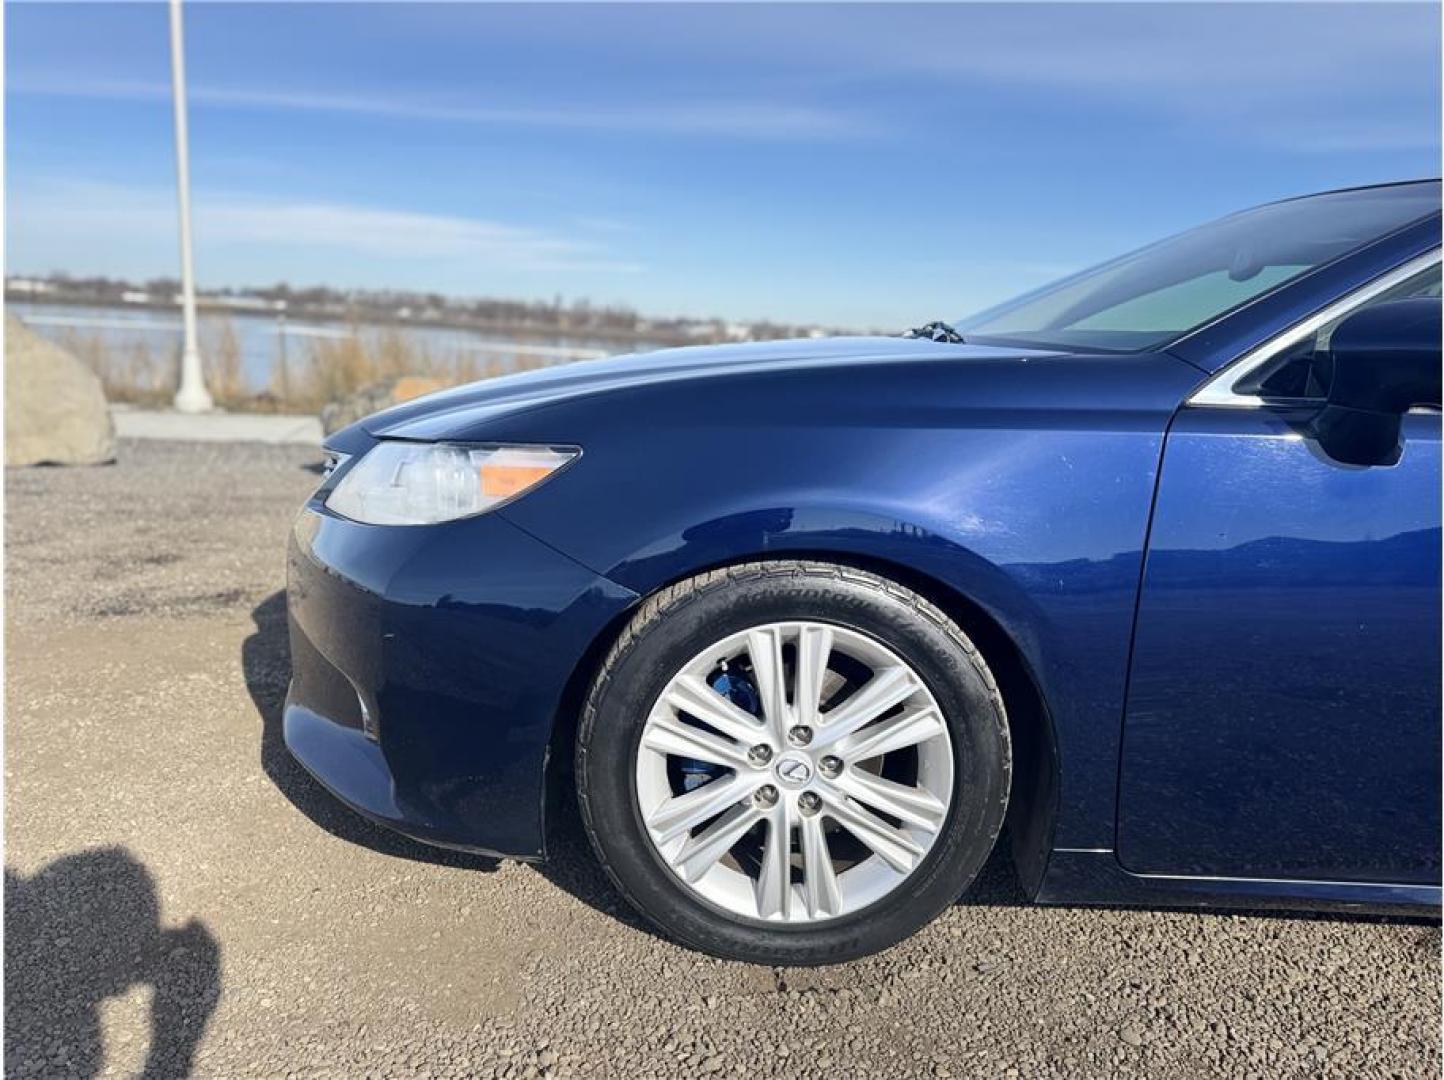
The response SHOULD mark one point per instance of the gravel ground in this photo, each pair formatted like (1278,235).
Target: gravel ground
(181,898)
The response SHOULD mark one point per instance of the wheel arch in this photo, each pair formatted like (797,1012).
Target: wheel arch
(1032,802)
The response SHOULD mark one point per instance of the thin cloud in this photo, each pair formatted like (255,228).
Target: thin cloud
(706,119)
(1184,51)
(1339,137)
(605,225)
(1222,70)
(114,215)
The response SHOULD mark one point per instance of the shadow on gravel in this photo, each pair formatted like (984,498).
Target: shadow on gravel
(266,661)
(997,882)
(572,865)
(87,928)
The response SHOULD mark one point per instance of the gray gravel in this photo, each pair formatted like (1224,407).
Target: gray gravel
(181,898)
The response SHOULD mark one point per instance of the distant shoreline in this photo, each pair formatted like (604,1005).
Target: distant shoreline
(500,327)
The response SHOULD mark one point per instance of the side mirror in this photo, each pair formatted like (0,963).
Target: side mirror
(1386,359)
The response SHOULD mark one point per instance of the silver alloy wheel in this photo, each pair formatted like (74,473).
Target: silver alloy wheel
(819,806)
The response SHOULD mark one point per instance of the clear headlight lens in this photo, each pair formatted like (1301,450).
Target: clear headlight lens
(401,483)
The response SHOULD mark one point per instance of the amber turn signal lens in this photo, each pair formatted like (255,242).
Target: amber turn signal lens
(504,481)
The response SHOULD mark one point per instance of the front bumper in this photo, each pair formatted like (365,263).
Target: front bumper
(428,667)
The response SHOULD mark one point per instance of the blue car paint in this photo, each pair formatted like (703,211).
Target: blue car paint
(445,632)
(1283,717)
(1097,877)
(1019,481)
(948,469)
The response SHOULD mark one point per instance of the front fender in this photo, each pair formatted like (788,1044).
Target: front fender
(1069,619)
(1023,487)
(867,535)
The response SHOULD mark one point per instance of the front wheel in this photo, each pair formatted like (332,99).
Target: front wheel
(792,762)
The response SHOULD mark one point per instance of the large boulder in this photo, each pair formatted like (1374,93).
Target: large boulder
(55,411)
(379,395)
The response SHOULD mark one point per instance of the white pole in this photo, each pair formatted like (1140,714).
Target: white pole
(192,397)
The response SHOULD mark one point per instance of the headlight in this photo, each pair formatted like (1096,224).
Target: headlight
(402,483)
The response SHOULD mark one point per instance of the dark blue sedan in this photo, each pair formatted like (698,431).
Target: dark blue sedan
(1144,565)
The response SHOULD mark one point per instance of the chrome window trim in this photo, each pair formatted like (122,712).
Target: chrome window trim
(1218,391)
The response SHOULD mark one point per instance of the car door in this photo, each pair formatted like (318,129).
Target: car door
(1283,706)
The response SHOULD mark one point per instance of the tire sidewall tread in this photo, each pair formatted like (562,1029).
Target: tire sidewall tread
(677,616)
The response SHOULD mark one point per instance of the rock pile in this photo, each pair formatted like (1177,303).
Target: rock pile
(55,410)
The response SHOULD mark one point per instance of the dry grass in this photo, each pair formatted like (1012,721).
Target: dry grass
(225,367)
(334,368)
(302,379)
(131,373)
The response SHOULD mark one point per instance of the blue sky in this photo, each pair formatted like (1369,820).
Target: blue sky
(855,165)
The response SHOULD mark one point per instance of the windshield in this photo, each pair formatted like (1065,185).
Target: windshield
(1144,299)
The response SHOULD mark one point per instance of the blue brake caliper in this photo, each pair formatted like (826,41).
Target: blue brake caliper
(736,689)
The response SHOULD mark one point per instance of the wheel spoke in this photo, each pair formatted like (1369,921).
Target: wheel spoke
(701,852)
(757,838)
(819,881)
(893,846)
(683,812)
(764,646)
(774,882)
(912,805)
(887,688)
(669,735)
(692,695)
(814,646)
(895,733)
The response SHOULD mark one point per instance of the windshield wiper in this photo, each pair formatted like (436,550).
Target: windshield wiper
(938,331)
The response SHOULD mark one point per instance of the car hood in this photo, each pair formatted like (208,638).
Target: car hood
(435,415)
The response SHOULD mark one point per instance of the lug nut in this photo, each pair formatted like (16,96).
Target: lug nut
(760,754)
(765,796)
(800,735)
(830,766)
(808,802)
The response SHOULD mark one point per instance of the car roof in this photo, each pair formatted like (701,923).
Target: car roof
(1358,187)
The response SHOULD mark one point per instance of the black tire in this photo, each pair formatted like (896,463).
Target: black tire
(674,625)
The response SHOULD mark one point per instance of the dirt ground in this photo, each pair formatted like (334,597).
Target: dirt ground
(181,898)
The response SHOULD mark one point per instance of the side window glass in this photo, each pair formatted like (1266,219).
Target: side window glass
(1304,371)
